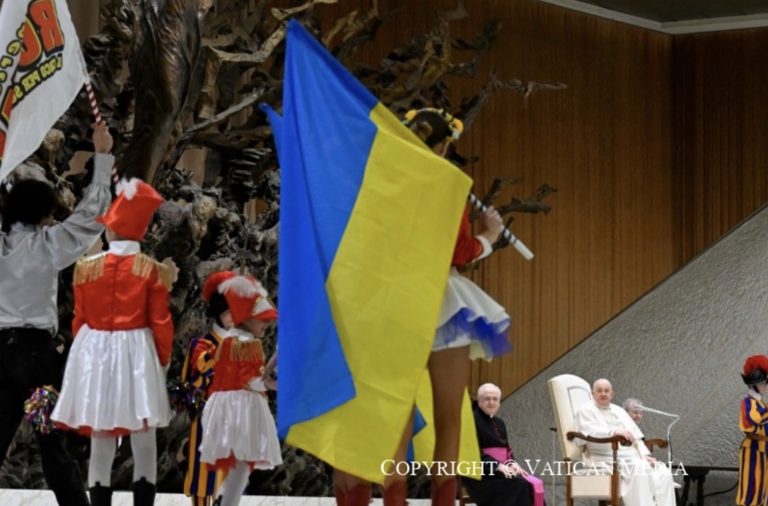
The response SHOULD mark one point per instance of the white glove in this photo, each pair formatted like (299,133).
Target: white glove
(257,385)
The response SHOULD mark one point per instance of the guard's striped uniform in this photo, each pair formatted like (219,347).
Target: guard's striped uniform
(200,482)
(753,479)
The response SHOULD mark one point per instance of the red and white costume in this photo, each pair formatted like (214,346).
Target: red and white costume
(468,315)
(114,380)
(237,422)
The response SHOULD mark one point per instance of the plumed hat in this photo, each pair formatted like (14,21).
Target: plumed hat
(131,212)
(245,296)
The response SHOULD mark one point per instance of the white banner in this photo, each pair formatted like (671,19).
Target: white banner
(41,71)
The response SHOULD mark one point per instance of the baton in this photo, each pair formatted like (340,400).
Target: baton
(505,232)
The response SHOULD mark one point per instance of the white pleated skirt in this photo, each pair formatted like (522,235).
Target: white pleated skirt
(469,316)
(237,424)
(113,382)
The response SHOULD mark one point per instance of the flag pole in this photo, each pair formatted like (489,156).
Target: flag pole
(94,105)
(98,118)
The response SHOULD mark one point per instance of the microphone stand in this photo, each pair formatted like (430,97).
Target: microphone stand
(669,428)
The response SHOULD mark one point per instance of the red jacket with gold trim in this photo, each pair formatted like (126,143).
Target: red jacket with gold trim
(124,292)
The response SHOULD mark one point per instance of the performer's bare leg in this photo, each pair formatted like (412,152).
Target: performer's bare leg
(395,487)
(350,490)
(449,372)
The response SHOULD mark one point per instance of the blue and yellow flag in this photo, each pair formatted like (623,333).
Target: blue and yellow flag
(368,223)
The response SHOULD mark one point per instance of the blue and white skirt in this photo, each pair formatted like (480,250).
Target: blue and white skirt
(469,316)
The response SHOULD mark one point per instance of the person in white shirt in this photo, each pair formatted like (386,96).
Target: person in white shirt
(33,249)
(644,480)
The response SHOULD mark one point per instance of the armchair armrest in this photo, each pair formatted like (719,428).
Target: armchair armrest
(656,443)
(613,439)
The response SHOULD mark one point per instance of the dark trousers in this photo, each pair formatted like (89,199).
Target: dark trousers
(29,360)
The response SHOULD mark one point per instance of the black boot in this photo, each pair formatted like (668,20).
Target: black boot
(217,502)
(143,493)
(100,496)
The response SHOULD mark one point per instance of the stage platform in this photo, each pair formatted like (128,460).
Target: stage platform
(16,497)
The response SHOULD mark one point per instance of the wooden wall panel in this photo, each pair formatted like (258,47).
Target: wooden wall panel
(720,132)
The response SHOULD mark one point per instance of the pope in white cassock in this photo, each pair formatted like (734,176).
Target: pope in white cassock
(644,480)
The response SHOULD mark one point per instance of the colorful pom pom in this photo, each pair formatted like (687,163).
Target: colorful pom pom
(185,398)
(38,409)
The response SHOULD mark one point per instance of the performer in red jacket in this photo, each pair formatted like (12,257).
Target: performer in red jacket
(239,432)
(201,481)
(114,382)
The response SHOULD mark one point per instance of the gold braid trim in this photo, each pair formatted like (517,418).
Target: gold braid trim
(248,351)
(142,265)
(165,275)
(89,269)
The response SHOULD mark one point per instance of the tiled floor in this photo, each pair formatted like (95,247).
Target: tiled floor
(10,497)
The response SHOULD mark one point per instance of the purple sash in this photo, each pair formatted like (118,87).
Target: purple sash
(499,453)
(502,454)
(538,489)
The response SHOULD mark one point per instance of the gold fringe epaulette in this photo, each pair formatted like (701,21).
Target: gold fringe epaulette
(143,265)
(247,351)
(89,269)
(165,275)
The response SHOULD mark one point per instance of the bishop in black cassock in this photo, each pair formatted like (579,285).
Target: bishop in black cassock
(495,488)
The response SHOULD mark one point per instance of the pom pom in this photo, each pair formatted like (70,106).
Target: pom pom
(38,409)
(241,286)
(128,187)
(186,398)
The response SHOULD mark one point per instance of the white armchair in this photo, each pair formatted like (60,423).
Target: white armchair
(568,394)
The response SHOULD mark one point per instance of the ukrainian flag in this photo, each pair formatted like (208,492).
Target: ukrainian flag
(368,222)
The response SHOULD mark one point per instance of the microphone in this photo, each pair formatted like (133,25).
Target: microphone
(505,232)
(669,428)
(651,410)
